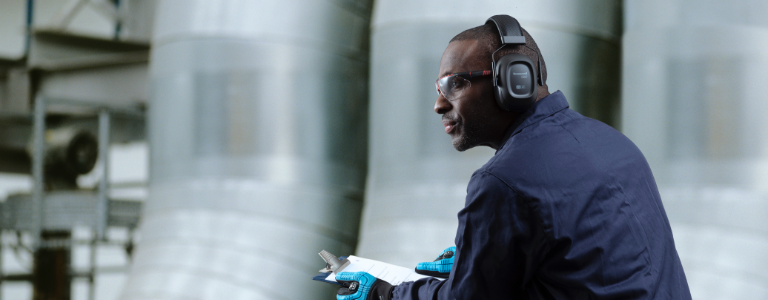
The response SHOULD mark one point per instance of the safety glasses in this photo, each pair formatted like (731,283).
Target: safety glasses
(451,86)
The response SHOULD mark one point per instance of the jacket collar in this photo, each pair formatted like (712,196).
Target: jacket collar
(540,110)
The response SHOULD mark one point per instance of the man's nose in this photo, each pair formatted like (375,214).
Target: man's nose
(442,105)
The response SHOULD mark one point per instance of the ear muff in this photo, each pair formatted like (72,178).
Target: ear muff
(515,77)
(516,82)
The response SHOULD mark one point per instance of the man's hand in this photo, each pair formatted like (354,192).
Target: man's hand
(362,286)
(441,267)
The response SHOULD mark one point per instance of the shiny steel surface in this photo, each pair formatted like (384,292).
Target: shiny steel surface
(417,181)
(258,132)
(694,101)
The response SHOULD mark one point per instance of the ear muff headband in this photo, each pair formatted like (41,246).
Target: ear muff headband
(509,29)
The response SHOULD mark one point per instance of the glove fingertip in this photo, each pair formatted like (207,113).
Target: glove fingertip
(345,276)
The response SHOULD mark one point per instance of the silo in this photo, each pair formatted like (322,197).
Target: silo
(258,137)
(417,181)
(694,101)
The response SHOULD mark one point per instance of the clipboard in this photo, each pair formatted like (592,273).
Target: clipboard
(390,273)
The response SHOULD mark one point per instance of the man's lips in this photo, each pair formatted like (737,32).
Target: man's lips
(449,125)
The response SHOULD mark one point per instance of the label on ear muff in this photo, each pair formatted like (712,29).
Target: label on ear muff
(520,79)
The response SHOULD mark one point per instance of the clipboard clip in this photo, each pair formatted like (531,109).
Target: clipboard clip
(332,263)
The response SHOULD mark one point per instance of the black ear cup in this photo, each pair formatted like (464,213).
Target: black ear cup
(516,82)
(515,76)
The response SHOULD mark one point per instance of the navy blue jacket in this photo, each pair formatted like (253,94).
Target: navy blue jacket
(566,209)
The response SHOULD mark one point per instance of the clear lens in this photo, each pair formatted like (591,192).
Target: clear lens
(452,86)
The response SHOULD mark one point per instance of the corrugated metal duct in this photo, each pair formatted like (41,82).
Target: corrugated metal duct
(417,181)
(258,135)
(695,99)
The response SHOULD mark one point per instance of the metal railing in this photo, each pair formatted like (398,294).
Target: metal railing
(39,195)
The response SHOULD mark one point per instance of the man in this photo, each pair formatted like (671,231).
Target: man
(567,208)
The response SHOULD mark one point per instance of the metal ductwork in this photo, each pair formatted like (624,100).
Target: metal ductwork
(417,181)
(258,135)
(694,101)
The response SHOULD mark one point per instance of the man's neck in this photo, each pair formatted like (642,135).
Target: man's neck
(542,92)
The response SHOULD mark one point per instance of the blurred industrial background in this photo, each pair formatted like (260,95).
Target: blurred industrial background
(193,149)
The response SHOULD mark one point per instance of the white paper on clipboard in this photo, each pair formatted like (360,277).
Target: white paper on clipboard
(381,270)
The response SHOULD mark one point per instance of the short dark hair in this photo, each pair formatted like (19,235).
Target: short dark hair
(488,36)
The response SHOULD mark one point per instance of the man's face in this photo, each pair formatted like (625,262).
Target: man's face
(472,118)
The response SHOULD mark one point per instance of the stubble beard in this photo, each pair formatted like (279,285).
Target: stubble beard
(474,132)
(469,137)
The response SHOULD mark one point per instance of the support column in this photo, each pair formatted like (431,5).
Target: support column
(51,277)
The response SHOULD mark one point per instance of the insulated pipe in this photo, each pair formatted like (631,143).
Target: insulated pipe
(694,101)
(258,137)
(417,181)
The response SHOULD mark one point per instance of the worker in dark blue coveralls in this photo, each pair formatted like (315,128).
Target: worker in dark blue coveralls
(567,208)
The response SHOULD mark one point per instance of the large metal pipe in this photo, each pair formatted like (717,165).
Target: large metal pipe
(694,99)
(417,181)
(258,137)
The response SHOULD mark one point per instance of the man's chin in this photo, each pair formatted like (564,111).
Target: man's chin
(461,144)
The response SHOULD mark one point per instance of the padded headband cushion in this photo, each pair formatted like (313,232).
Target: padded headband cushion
(509,29)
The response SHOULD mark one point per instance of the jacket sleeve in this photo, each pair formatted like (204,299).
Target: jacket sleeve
(499,243)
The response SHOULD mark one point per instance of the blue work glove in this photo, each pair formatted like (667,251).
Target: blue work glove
(441,267)
(362,286)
